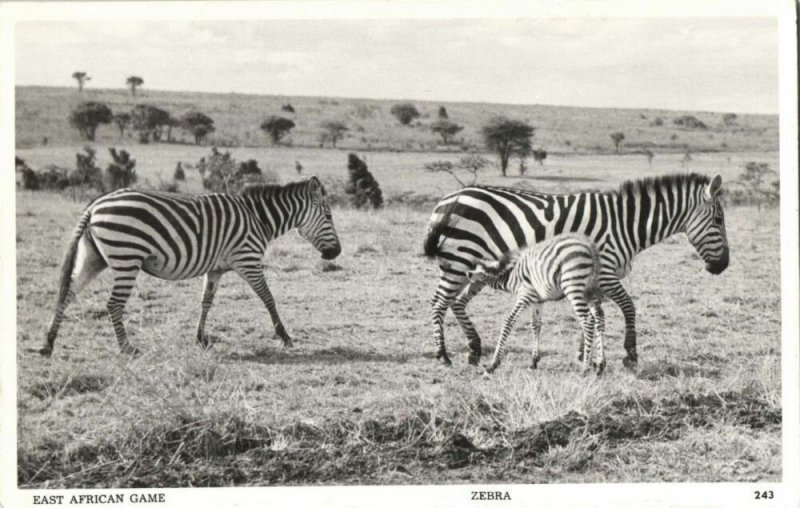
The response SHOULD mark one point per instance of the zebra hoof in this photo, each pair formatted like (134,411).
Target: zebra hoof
(131,351)
(444,359)
(534,364)
(46,351)
(474,359)
(599,368)
(630,362)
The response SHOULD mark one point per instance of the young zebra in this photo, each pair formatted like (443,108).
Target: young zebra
(175,237)
(564,266)
(480,222)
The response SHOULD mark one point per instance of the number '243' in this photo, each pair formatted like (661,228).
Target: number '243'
(764,494)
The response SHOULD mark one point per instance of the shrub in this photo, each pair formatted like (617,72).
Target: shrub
(87,116)
(87,173)
(404,112)
(753,178)
(288,108)
(361,185)
(729,119)
(658,122)
(148,120)
(221,173)
(121,172)
(446,129)
(442,114)
(180,174)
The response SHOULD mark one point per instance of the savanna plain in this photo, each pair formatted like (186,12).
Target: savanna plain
(360,399)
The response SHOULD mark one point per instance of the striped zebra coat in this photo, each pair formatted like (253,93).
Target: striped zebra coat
(565,266)
(480,222)
(175,237)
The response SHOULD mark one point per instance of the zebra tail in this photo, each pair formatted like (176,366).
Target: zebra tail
(436,228)
(68,264)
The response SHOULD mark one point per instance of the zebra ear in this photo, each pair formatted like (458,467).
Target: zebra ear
(316,186)
(714,188)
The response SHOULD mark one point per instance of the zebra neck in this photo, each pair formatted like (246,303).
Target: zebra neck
(648,217)
(275,212)
(504,282)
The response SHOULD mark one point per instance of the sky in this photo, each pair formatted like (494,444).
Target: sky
(708,64)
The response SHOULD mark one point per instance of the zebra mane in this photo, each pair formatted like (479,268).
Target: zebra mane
(644,184)
(270,189)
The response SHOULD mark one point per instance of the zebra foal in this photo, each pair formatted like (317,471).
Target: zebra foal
(176,237)
(564,266)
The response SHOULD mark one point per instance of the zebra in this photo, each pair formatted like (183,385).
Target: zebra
(566,265)
(479,222)
(176,237)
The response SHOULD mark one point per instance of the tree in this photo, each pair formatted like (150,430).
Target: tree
(446,129)
(507,138)
(121,172)
(442,114)
(539,156)
(617,138)
(133,83)
(277,127)
(81,78)
(122,120)
(332,130)
(729,119)
(87,116)
(404,112)
(198,124)
(148,120)
(471,163)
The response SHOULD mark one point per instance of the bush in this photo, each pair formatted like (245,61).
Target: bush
(198,124)
(180,174)
(149,120)
(221,173)
(361,185)
(288,108)
(87,173)
(658,122)
(446,129)
(333,131)
(121,172)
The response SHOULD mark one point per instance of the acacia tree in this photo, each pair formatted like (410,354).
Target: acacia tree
(332,130)
(133,83)
(508,138)
(446,129)
(404,112)
(81,78)
(442,113)
(122,120)
(617,138)
(148,120)
(198,124)
(277,127)
(87,116)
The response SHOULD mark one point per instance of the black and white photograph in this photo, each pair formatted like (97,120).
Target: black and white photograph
(343,254)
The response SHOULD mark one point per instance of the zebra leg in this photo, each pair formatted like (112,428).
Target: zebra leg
(612,288)
(577,298)
(459,309)
(88,264)
(255,278)
(536,330)
(124,280)
(598,316)
(450,284)
(210,285)
(523,300)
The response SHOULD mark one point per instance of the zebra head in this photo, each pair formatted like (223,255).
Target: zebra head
(317,226)
(705,228)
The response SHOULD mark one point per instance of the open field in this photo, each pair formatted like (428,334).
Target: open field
(43,112)
(360,398)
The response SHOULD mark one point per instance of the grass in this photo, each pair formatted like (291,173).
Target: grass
(43,112)
(360,398)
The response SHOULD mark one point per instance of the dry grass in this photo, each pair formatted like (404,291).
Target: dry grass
(360,398)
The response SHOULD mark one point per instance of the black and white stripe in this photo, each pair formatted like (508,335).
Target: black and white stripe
(174,237)
(486,222)
(566,265)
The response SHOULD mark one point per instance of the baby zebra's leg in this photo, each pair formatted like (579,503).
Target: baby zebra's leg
(536,331)
(523,300)
(577,298)
(599,336)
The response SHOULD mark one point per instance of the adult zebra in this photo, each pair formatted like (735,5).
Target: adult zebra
(480,222)
(175,237)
